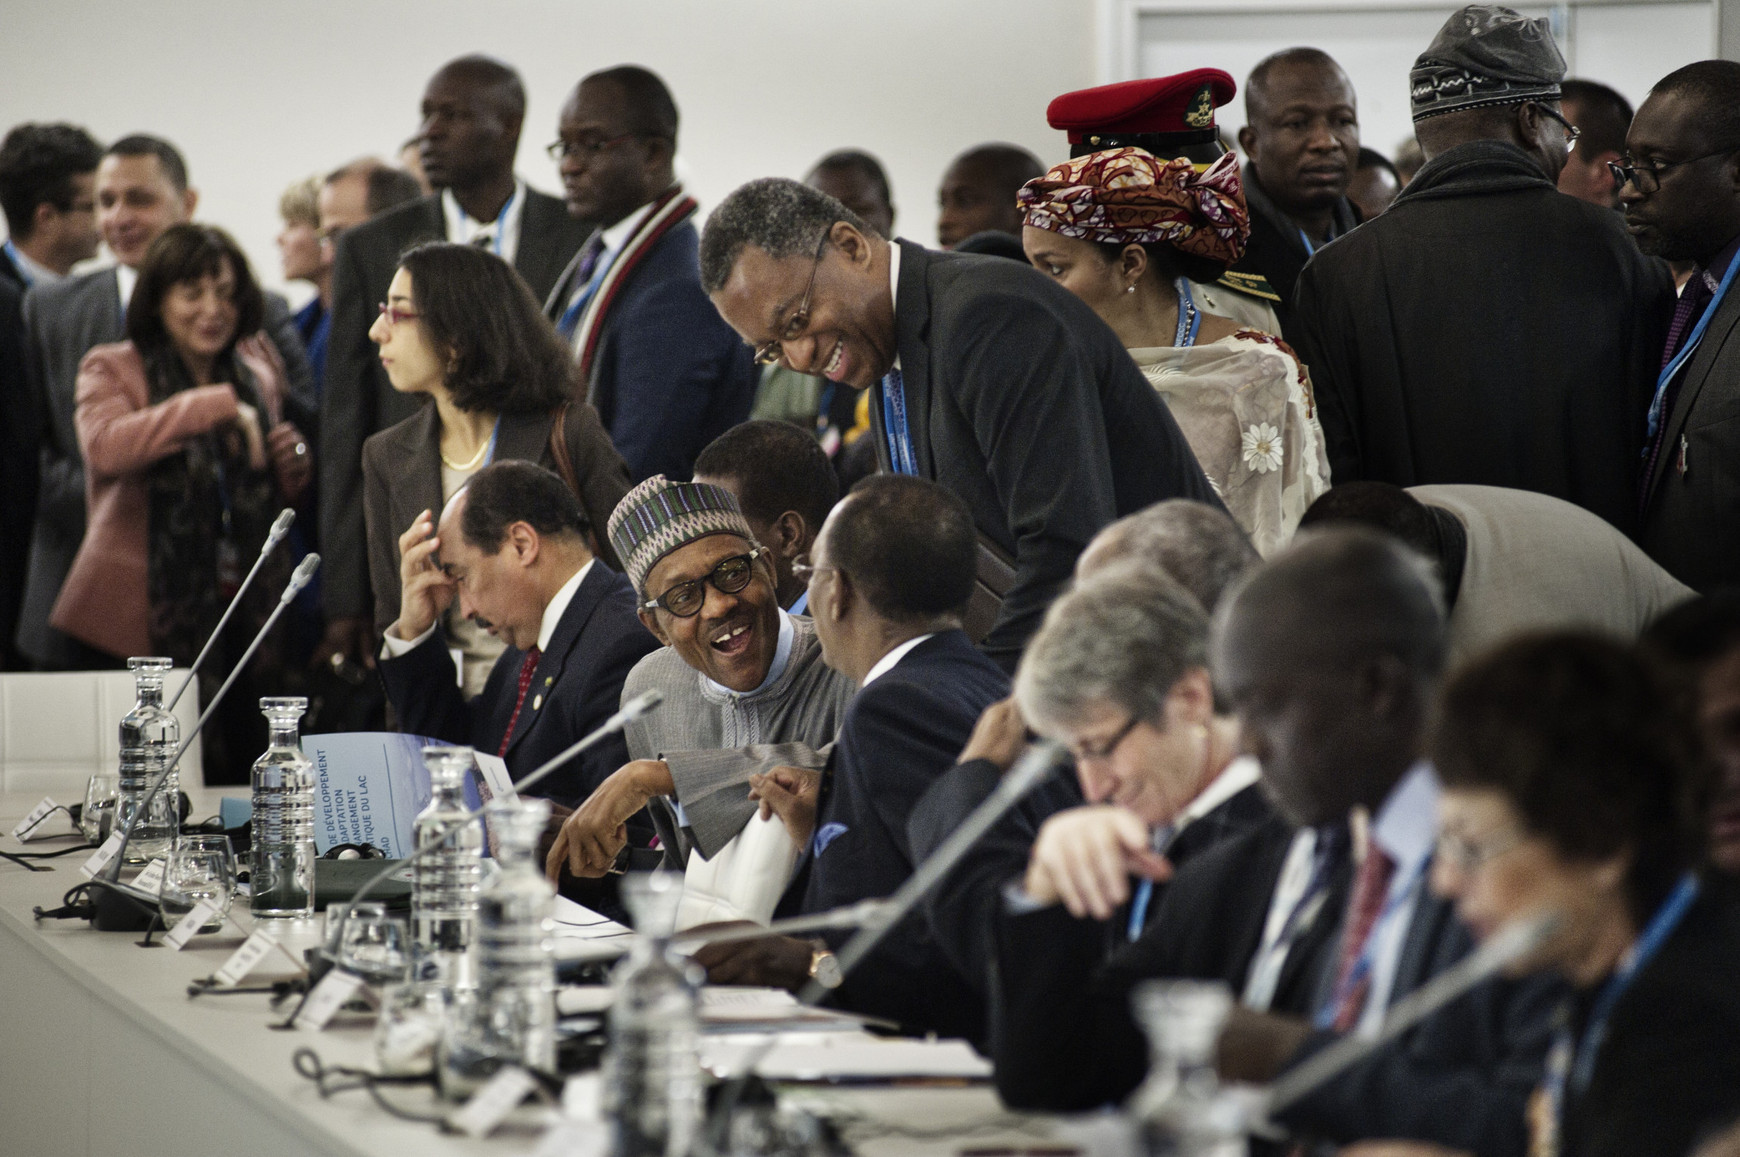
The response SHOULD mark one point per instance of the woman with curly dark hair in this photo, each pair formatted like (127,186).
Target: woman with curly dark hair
(460,327)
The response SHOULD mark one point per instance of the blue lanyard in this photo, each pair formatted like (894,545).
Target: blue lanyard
(1310,249)
(1363,967)
(18,263)
(1144,893)
(1562,1070)
(1189,320)
(900,453)
(501,221)
(1656,417)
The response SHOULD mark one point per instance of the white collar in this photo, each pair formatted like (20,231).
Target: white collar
(558,606)
(894,291)
(888,662)
(462,228)
(126,277)
(1405,827)
(781,659)
(617,235)
(1233,778)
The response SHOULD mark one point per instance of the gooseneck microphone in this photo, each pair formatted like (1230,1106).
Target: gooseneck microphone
(124,915)
(1513,942)
(632,710)
(280,528)
(878,917)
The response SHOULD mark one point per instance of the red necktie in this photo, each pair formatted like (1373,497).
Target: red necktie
(527,670)
(1371,886)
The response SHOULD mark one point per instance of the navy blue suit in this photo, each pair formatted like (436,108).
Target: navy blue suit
(577,686)
(668,375)
(899,734)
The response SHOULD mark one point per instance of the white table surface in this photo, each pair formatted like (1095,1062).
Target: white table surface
(106,1054)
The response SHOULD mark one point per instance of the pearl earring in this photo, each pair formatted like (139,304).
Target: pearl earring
(1129,289)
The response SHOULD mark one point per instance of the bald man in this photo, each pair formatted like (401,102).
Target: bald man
(471,115)
(978,190)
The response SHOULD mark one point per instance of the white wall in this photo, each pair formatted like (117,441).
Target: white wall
(257,94)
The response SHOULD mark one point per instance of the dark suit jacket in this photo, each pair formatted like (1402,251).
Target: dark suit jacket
(1025,404)
(65,321)
(899,734)
(577,686)
(1691,525)
(1275,250)
(402,478)
(669,375)
(20,437)
(358,400)
(1063,1037)
(1669,1072)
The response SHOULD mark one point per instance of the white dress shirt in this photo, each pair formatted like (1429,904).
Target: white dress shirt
(504,231)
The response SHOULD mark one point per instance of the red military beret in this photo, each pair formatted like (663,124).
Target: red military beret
(1163,114)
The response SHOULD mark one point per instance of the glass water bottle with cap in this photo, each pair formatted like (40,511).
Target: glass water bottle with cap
(652,1092)
(281,863)
(509,1018)
(1180,1110)
(149,737)
(444,881)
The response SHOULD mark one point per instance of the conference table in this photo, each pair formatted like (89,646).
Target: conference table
(104,1052)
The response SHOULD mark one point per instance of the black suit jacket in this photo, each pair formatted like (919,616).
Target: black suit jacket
(1275,250)
(358,399)
(1691,524)
(402,478)
(576,687)
(668,375)
(899,734)
(1025,404)
(65,321)
(20,437)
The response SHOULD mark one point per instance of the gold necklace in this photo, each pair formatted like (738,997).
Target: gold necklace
(471,465)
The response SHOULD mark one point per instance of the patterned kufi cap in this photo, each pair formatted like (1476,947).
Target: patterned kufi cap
(659,516)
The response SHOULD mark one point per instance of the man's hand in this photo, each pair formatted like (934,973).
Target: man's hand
(1085,857)
(999,736)
(425,591)
(350,637)
(291,461)
(597,831)
(771,961)
(791,793)
(1256,1046)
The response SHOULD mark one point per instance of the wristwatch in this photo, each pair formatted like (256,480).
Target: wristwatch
(824,965)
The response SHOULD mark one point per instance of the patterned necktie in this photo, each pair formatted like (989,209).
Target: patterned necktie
(570,319)
(1691,304)
(527,670)
(1371,886)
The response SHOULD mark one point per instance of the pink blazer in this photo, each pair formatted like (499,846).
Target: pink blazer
(104,601)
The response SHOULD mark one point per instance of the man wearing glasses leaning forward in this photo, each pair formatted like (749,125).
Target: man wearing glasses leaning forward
(745,688)
(1487,329)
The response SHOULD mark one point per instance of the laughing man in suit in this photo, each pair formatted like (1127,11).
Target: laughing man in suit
(512,549)
(984,376)
(472,110)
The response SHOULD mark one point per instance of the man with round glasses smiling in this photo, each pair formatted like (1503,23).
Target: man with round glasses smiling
(745,688)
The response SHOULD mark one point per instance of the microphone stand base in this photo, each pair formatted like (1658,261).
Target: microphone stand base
(117,911)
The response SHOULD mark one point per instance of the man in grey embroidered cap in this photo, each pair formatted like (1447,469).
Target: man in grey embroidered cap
(1487,328)
(745,688)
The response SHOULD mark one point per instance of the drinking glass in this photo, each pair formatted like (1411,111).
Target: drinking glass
(98,815)
(198,868)
(374,945)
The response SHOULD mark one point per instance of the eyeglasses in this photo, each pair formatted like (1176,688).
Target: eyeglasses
(1647,178)
(685,600)
(1572,132)
(395,315)
(767,354)
(586,147)
(1468,855)
(805,572)
(1105,749)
